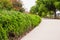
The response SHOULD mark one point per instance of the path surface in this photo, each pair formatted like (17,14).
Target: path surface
(48,29)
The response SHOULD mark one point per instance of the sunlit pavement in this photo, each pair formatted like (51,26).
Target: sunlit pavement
(48,29)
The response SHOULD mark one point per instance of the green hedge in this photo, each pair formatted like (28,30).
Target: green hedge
(16,23)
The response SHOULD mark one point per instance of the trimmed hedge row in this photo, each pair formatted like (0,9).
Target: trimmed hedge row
(15,23)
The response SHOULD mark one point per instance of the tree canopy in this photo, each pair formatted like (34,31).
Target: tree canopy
(16,5)
(5,4)
(46,6)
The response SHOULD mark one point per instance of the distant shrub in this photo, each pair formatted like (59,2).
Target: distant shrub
(14,23)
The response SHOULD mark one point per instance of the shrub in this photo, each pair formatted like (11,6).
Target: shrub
(14,23)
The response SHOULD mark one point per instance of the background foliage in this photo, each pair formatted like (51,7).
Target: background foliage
(45,6)
(11,5)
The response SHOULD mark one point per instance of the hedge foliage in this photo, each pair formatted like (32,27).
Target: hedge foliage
(16,23)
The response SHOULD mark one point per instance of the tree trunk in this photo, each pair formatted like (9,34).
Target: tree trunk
(55,14)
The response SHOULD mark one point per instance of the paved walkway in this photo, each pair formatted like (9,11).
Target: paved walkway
(48,29)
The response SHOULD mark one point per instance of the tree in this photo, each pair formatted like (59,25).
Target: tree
(17,5)
(33,9)
(5,4)
(47,5)
(12,4)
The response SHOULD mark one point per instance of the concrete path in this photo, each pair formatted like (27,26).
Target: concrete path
(48,29)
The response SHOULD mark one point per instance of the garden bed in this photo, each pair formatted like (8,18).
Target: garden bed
(14,24)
